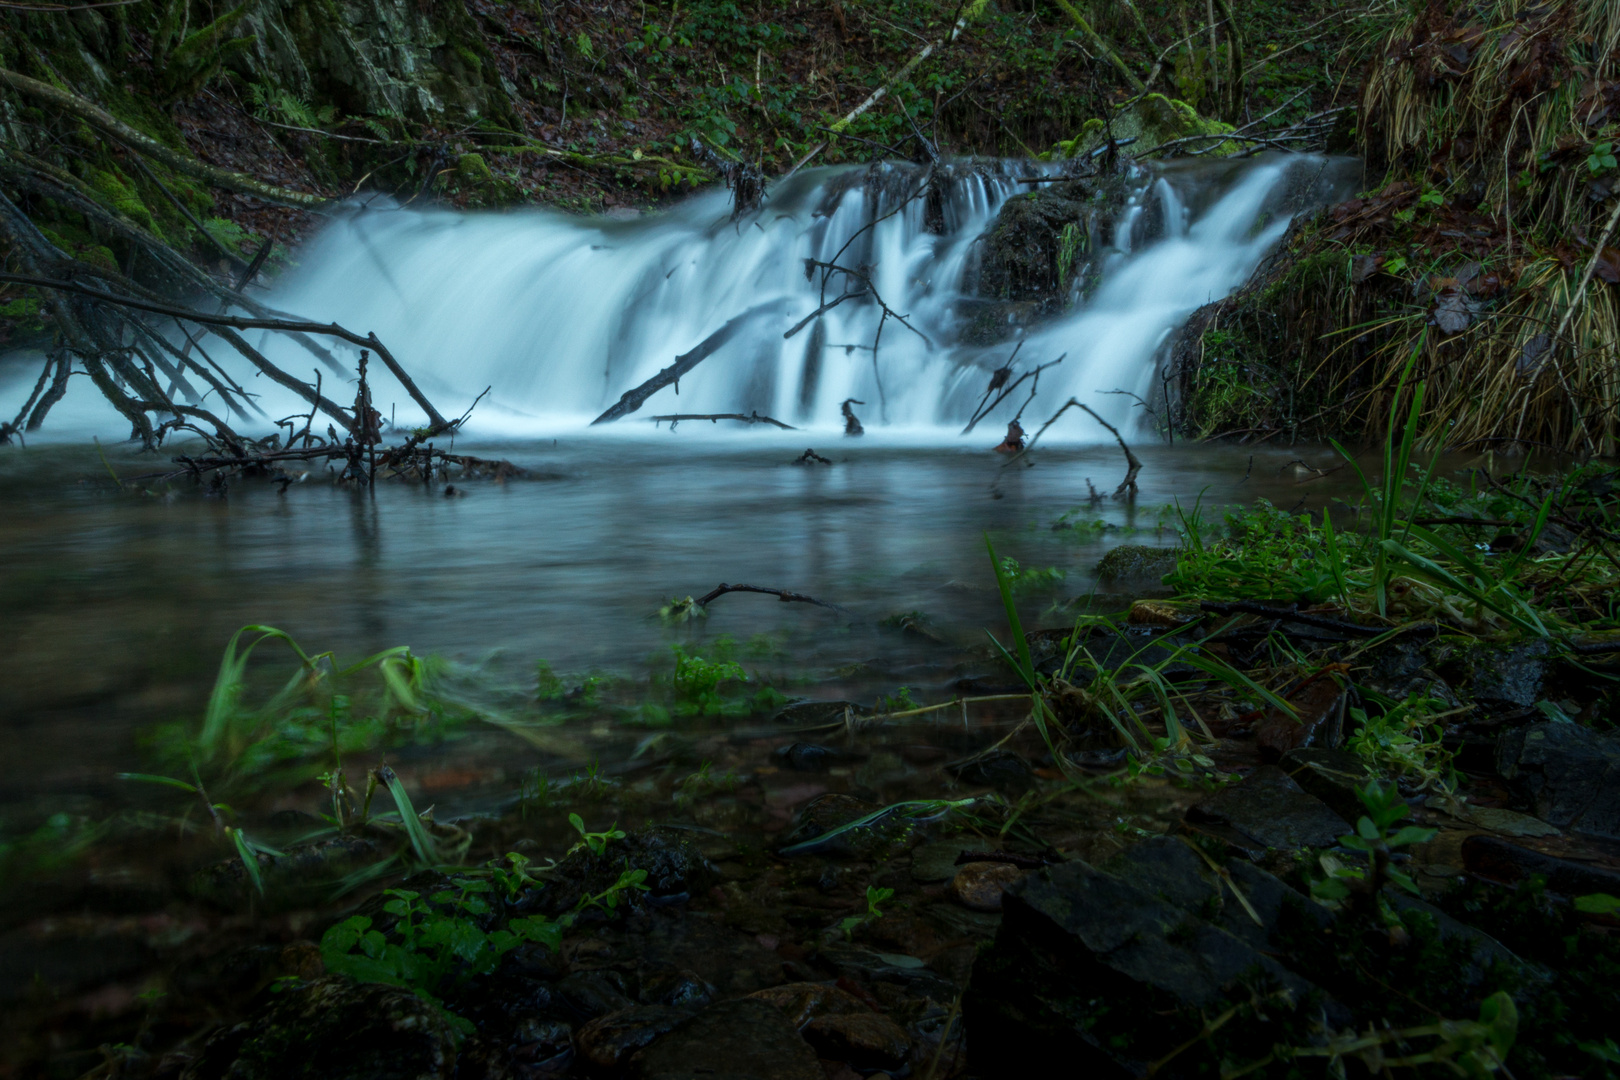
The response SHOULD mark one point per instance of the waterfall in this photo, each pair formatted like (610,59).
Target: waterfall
(560,315)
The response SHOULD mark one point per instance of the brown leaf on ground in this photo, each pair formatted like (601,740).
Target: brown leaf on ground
(1317,705)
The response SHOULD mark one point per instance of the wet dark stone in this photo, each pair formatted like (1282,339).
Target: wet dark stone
(802,1002)
(1498,676)
(541,1046)
(1330,775)
(1020,256)
(866,1040)
(333,1029)
(675,870)
(302,874)
(1000,769)
(1267,809)
(731,1040)
(808,757)
(66,963)
(1083,955)
(586,995)
(1401,667)
(681,989)
(1568,773)
(827,812)
(810,713)
(607,1042)
(1499,860)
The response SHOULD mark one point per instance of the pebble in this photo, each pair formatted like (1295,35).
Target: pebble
(979,885)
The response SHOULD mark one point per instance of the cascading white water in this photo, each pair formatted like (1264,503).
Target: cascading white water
(561,315)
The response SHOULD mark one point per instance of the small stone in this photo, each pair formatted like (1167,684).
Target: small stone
(608,1041)
(681,989)
(1331,775)
(865,1040)
(979,885)
(1000,769)
(729,1040)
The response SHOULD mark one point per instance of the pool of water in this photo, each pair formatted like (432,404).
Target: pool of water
(117,605)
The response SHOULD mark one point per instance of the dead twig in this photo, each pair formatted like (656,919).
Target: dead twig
(749,418)
(784,595)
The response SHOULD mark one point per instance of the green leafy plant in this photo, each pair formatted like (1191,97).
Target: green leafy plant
(1404,740)
(900,701)
(1378,834)
(1029,579)
(597,842)
(1600,159)
(436,943)
(874,897)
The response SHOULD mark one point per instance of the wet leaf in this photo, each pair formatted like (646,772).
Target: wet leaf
(1454,312)
(1608,265)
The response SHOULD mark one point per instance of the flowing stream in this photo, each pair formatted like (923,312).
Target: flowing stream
(117,607)
(559,316)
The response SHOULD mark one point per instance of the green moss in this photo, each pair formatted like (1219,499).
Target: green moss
(123,197)
(1152,121)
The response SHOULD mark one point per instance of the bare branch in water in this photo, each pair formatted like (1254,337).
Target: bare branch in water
(636,398)
(1127,486)
(784,595)
(749,418)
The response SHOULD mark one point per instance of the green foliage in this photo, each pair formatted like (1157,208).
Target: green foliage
(55,843)
(1378,833)
(703,783)
(282,106)
(596,842)
(1029,579)
(1601,159)
(874,897)
(436,943)
(900,701)
(1404,741)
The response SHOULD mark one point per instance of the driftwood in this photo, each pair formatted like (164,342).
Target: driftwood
(852,423)
(237,322)
(634,399)
(784,595)
(1127,486)
(750,418)
(998,380)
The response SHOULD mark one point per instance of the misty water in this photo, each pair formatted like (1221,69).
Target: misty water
(117,605)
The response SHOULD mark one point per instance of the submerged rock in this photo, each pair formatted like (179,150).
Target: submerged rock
(1137,562)
(334,1029)
(1569,774)
(732,1040)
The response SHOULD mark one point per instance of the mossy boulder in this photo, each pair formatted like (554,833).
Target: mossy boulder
(1136,562)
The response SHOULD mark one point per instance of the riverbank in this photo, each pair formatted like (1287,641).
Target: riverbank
(855,872)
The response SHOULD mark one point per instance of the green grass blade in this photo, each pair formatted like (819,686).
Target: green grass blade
(149,778)
(250,859)
(421,841)
(1519,613)
(1024,665)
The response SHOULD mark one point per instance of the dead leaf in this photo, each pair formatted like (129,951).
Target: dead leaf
(1454,312)
(1317,711)
(1608,265)
(1363,267)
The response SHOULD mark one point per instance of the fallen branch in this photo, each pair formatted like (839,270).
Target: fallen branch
(1321,622)
(634,399)
(237,322)
(1133,465)
(750,418)
(109,124)
(1034,373)
(783,595)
